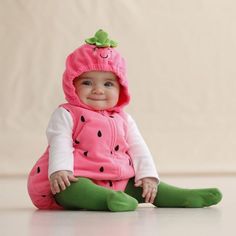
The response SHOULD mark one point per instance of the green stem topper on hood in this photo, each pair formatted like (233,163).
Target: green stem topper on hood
(101,39)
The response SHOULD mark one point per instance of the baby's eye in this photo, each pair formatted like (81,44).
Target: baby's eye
(86,82)
(109,84)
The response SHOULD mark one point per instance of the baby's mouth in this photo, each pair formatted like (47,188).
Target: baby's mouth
(96,99)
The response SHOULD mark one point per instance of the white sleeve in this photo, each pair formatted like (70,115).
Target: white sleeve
(144,165)
(59,135)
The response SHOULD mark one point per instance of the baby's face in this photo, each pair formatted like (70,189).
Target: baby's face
(98,89)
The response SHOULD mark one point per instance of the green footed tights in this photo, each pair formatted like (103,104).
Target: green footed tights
(84,194)
(170,196)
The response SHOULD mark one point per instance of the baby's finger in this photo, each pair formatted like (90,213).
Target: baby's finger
(138,183)
(52,189)
(153,195)
(66,181)
(147,197)
(55,186)
(145,190)
(62,184)
(73,178)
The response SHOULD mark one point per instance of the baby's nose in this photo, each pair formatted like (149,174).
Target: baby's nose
(98,90)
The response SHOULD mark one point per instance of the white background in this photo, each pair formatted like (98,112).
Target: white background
(181,71)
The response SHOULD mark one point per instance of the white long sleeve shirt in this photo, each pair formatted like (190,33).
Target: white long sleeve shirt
(59,135)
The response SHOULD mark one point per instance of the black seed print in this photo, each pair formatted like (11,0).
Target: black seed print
(117,148)
(38,169)
(68,110)
(43,195)
(110,183)
(101,169)
(130,163)
(112,116)
(86,153)
(82,119)
(111,152)
(99,133)
(76,141)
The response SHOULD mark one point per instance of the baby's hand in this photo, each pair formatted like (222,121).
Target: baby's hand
(59,180)
(149,186)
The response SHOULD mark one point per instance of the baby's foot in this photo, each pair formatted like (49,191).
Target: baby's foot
(202,197)
(120,201)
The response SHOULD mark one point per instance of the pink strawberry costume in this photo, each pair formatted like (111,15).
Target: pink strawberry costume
(104,146)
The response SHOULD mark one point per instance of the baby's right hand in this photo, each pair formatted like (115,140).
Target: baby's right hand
(60,180)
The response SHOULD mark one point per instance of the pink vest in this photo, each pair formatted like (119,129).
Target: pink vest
(100,153)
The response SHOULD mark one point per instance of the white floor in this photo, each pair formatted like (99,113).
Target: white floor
(18,216)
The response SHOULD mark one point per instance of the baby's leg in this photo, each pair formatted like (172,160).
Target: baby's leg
(84,194)
(171,196)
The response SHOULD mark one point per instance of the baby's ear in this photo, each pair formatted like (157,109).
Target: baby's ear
(75,80)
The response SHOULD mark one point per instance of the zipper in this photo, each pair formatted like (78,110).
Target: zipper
(113,134)
(113,130)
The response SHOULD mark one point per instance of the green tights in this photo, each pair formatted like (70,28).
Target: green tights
(84,194)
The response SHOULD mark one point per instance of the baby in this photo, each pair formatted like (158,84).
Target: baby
(96,158)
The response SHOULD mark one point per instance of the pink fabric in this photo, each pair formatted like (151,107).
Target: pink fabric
(100,153)
(99,138)
(100,147)
(39,186)
(90,58)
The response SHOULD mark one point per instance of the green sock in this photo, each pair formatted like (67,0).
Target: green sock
(84,194)
(171,196)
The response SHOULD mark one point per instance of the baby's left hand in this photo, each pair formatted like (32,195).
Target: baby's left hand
(149,186)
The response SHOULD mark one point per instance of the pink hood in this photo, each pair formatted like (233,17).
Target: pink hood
(92,58)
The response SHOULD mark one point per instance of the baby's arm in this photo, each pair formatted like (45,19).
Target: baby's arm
(60,166)
(145,171)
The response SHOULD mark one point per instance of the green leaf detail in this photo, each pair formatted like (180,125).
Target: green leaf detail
(101,39)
